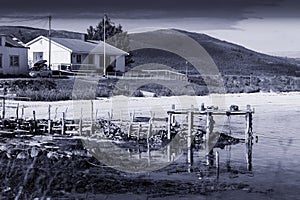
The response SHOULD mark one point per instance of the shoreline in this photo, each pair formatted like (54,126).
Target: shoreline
(68,89)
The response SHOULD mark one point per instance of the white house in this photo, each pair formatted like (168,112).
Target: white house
(13,56)
(77,53)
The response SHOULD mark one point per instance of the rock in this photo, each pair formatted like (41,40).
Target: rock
(34,152)
(52,155)
(21,155)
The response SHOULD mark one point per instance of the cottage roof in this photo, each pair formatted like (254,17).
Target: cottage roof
(82,46)
(11,41)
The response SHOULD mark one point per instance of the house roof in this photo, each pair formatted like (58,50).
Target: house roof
(82,46)
(11,41)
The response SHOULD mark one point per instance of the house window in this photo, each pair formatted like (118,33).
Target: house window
(0,60)
(14,61)
(78,58)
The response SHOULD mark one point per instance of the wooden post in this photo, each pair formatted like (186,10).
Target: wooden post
(248,132)
(92,117)
(3,108)
(249,155)
(169,125)
(49,126)
(217,164)
(49,112)
(149,129)
(229,124)
(173,116)
(109,120)
(202,108)
(189,137)
(148,153)
(169,152)
(34,122)
(209,158)
(130,125)
(22,112)
(63,124)
(17,112)
(209,125)
(139,132)
(80,123)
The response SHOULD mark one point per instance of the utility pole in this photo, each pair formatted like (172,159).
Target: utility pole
(49,35)
(104,53)
(186,68)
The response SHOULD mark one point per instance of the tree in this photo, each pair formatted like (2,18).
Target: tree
(114,35)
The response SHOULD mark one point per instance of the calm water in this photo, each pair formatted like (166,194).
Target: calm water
(275,172)
(276,155)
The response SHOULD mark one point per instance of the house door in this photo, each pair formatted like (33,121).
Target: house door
(37,56)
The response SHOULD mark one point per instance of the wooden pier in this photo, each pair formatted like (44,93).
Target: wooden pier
(209,113)
(137,128)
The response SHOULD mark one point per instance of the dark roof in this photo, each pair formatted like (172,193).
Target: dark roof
(82,46)
(11,41)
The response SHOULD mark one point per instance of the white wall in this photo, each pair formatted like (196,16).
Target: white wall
(58,54)
(6,52)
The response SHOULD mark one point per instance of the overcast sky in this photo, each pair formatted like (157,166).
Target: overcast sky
(266,26)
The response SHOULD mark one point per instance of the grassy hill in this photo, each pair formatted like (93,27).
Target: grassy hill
(231,59)
(26,34)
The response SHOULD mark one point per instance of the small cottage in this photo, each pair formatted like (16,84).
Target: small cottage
(13,56)
(77,53)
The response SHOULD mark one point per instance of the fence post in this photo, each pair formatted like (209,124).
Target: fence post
(189,137)
(92,117)
(110,115)
(209,128)
(139,132)
(49,126)
(34,122)
(22,112)
(17,112)
(3,108)
(173,116)
(63,124)
(150,127)
(49,112)
(80,123)
(169,125)
(130,124)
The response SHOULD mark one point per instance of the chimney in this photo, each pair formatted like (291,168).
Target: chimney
(3,40)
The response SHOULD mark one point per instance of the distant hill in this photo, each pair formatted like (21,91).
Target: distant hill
(26,34)
(230,58)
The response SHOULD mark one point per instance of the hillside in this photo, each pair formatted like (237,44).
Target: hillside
(231,59)
(26,34)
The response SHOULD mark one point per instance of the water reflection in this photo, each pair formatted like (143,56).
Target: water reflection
(146,155)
